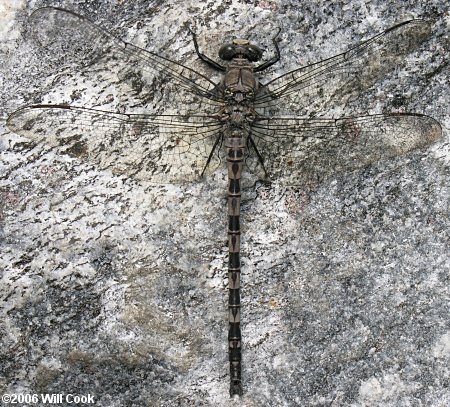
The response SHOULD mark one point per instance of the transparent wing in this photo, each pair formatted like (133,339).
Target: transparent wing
(296,151)
(69,39)
(335,80)
(156,148)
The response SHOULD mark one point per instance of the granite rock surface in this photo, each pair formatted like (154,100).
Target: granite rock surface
(118,288)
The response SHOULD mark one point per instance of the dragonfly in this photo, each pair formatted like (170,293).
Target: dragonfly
(273,131)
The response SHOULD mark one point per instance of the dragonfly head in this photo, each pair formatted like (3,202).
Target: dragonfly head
(240,48)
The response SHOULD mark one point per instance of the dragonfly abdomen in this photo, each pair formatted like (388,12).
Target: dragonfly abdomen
(235,155)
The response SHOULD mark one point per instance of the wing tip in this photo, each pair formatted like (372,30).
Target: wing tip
(11,123)
(431,126)
(436,131)
(51,9)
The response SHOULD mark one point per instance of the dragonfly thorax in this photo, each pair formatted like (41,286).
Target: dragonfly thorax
(239,84)
(237,120)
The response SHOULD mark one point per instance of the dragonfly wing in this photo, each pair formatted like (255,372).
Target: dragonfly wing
(155,148)
(69,39)
(335,80)
(296,151)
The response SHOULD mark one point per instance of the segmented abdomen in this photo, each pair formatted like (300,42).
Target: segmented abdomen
(235,154)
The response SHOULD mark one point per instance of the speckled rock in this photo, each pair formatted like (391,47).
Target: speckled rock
(118,289)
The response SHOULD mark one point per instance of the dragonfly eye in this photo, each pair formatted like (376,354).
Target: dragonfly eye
(227,52)
(253,53)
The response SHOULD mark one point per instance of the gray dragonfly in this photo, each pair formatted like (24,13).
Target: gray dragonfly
(264,127)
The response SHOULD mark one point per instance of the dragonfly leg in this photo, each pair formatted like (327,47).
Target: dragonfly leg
(260,159)
(203,57)
(219,138)
(273,60)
